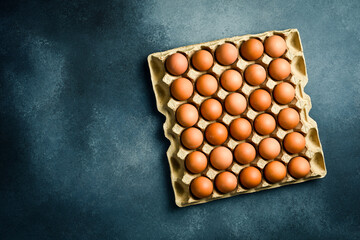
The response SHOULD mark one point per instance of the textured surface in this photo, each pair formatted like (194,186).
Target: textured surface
(82,150)
(167,105)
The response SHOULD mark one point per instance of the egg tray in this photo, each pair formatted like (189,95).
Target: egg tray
(161,81)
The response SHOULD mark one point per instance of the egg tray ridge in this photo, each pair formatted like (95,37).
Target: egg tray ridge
(167,105)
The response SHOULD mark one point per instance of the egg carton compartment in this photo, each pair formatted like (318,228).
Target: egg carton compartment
(167,105)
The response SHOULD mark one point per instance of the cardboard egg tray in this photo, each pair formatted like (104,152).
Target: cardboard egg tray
(161,81)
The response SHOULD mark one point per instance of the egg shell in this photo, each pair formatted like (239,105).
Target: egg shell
(250,177)
(255,74)
(221,158)
(288,118)
(279,69)
(275,46)
(235,103)
(244,153)
(275,171)
(206,85)
(211,109)
(202,60)
(201,187)
(181,89)
(240,129)
(226,54)
(231,80)
(294,142)
(192,138)
(187,115)
(260,100)
(264,124)
(269,148)
(226,182)
(177,64)
(298,167)
(284,93)
(252,49)
(216,133)
(196,162)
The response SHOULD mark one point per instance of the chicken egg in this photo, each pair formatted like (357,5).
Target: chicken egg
(226,54)
(264,124)
(294,142)
(284,93)
(240,129)
(235,103)
(275,46)
(187,115)
(202,60)
(206,85)
(260,100)
(288,118)
(252,49)
(255,74)
(226,182)
(279,69)
(196,162)
(244,153)
(216,133)
(298,167)
(250,177)
(275,171)
(269,148)
(177,64)
(201,187)
(192,138)
(181,89)
(221,158)
(231,80)
(211,109)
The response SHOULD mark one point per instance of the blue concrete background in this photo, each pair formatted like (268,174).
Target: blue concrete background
(82,150)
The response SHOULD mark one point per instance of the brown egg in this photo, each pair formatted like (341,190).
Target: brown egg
(196,162)
(250,177)
(226,54)
(221,158)
(279,69)
(231,80)
(192,138)
(269,148)
(211,109)
(294,142)
(201,187)
(235,103)
(284,93)
(299,167)
(240,128)
(274,171)
(187,115)
(202,60)
(226,182)
(206,85)
(181,89)
(244,153)
(255,74)
(252,49)
(275,46)
(260,100)
(216,133)
(264,124)
(288,118)
(176,64)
